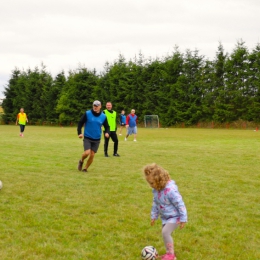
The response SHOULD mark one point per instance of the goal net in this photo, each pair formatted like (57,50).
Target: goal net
(151,121)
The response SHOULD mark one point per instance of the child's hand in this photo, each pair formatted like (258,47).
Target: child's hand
(152,222)
(182,224)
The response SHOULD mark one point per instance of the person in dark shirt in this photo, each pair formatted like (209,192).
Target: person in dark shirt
(93,120)
(122,121)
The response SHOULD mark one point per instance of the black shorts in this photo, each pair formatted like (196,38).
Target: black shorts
(122,124)
(91,144)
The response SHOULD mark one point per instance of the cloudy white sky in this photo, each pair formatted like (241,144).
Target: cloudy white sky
(63,34)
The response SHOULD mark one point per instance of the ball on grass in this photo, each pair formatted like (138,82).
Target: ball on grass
(149,253)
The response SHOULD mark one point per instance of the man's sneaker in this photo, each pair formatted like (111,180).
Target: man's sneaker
(116,154)
(134,140)
(168,257)
(84,170)
(125,139)
(80,165)
(106,155)
(120,134)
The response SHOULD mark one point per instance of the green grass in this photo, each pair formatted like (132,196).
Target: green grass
(49,210)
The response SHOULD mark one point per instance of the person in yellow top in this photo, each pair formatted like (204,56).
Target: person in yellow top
(21,119)
(111,119)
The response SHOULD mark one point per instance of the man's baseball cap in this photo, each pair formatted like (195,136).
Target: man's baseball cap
(96,103)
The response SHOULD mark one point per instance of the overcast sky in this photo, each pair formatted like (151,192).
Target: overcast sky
(63,34)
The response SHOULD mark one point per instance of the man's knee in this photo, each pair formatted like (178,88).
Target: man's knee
(92,154)
(86,153)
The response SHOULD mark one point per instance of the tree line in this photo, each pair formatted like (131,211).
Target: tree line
(180,88)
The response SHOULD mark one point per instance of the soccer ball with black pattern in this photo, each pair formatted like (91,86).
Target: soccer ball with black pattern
(149,253)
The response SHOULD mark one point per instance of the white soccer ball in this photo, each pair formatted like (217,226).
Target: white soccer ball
(1,185)
(149,253)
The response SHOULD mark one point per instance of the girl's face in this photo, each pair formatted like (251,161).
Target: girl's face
(151,183)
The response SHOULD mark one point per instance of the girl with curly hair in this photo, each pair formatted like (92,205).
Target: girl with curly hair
(167,203)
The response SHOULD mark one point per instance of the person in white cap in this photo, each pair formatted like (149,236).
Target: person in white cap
(93,120)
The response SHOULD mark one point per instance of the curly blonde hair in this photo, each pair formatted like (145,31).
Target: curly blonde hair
(156,175)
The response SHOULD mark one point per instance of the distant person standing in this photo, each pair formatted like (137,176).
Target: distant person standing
(21,119)
(93,120)
(111,119)
(131,125)
(122,121)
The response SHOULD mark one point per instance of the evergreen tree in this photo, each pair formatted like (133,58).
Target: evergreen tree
(121,85)
(155,90)
(52,96)
(187,106)
(253,79)
(35,84)
(219,89)
(114,84)
(174,70)
(237,88)
(76,95)
(136,95)
(11,104)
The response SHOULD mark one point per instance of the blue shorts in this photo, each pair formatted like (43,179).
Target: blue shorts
(132,130)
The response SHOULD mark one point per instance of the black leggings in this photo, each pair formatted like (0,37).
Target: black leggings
(114,138)
(22,127)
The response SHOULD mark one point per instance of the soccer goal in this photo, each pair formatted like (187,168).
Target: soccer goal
(151,121)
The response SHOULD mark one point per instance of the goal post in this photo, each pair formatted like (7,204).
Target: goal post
(151,121)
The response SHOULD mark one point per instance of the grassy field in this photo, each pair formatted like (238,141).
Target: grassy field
(50,210)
